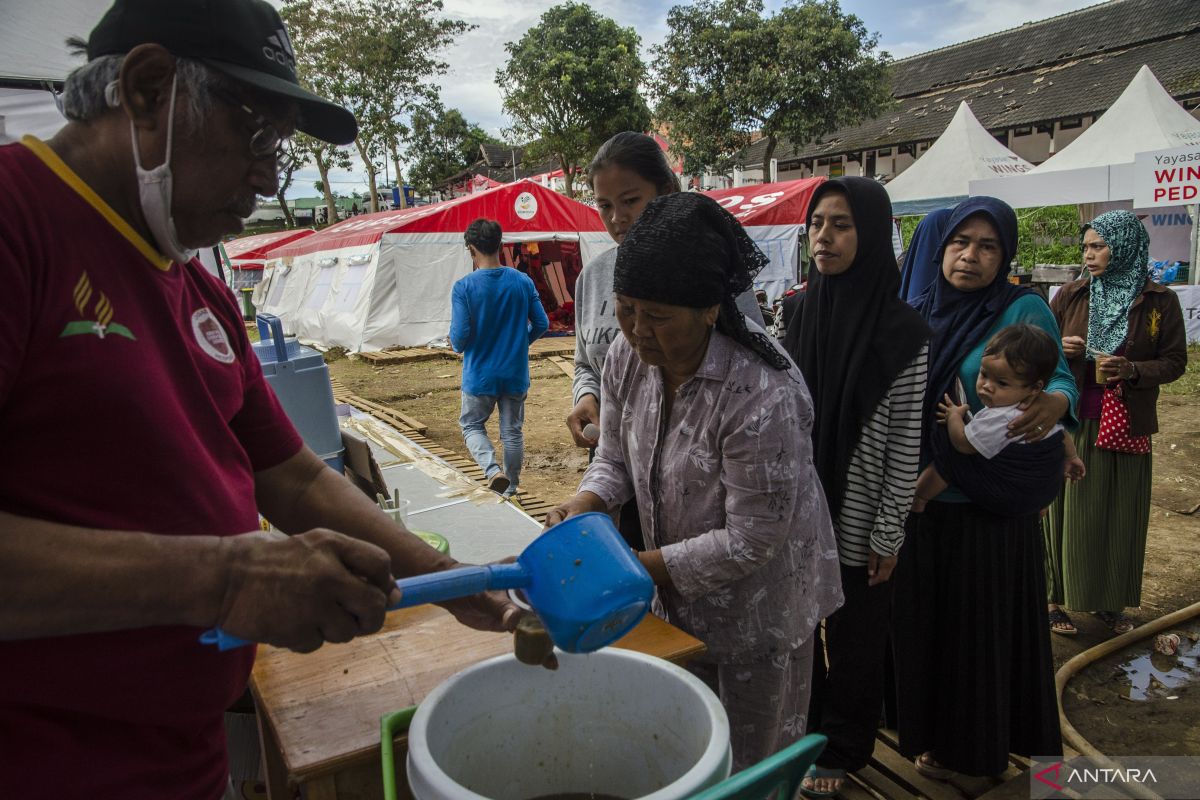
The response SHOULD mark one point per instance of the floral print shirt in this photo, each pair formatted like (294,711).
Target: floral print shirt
(727,490)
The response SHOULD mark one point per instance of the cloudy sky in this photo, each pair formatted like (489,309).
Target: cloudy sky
(906,27)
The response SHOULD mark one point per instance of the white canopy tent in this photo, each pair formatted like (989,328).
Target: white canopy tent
(940,177)
(34,58)
(1098,166)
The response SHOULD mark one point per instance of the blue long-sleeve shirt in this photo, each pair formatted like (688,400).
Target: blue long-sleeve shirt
(495,315)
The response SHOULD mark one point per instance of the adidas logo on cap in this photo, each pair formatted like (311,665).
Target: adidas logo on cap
(279,49)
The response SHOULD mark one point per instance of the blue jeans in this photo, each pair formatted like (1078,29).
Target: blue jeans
(476,410)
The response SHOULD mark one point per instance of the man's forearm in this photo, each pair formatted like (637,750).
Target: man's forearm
(305,494)
(60,579)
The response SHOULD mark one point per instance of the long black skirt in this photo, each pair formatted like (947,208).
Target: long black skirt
(974,669)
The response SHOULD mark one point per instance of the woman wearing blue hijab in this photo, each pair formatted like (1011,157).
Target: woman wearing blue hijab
(921,262)
(974,668)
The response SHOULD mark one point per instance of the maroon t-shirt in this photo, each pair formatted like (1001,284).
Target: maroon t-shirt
(130,399)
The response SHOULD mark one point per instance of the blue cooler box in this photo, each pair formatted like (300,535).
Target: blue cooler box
(301,382)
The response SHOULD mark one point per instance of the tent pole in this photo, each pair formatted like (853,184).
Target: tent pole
(1194,249)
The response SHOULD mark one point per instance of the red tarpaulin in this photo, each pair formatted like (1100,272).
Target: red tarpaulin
(783,203)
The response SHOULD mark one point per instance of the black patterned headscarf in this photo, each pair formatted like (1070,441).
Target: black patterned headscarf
(685,250)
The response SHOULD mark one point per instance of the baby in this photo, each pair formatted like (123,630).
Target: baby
(1017,364)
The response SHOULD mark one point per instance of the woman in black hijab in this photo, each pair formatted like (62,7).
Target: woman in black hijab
(706,422)
(863,354)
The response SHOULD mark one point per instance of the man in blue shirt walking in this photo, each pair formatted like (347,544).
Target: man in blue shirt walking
(496,314)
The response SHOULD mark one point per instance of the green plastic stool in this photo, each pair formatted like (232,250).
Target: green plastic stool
(390,725)
(778,776)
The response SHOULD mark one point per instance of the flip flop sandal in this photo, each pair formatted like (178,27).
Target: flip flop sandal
(1065,627)
(815,773)
(1116,622)
(931,769)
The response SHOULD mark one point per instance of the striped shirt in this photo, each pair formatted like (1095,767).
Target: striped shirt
(882,476)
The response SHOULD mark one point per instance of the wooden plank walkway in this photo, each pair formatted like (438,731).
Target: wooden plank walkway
(398,420)
(568,367)
(415,430)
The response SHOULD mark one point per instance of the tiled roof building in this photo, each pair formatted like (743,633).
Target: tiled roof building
(1035,87)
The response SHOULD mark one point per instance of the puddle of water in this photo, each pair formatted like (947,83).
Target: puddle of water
(1153,675)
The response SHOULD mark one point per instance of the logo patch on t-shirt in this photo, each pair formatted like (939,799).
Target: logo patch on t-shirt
(211,336)
(102,310)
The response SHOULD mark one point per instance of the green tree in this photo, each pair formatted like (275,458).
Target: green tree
(311,42)
(442,143)
(379,58)
(570,83)
(726,72)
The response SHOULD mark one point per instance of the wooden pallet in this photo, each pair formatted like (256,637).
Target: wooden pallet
(892,776)
(409,355)
(553,346)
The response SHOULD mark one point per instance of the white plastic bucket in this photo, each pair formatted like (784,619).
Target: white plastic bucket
(615,723)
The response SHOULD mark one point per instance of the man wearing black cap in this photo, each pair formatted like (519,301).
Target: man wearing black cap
(140,439)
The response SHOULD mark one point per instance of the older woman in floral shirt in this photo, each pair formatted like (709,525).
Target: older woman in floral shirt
(707,424)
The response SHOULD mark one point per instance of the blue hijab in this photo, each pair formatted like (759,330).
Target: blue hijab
(922,261)
(961,320)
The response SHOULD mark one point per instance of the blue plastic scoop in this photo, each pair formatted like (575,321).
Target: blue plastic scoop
(585,584)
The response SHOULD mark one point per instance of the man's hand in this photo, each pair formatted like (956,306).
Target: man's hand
(879,568)
(948,408)
(301,591)
(1073,346)
(1041,414)
(586,411)
(487,611)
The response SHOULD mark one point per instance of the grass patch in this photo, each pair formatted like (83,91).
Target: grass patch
(1189,382)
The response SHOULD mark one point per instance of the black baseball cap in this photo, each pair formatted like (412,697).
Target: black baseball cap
(244,39)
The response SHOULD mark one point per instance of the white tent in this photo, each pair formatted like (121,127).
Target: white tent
(34,56)
(1098,166)
(379,280)
(964,152)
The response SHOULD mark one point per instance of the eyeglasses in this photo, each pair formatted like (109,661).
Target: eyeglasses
(267,141)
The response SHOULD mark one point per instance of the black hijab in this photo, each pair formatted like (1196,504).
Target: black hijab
(961,320)
(851,334)
(684,249)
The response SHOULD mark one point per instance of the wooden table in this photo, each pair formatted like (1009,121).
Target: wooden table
(318,714)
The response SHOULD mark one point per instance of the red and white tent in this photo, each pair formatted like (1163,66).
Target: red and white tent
(773,214)
(380,280)
(249,254)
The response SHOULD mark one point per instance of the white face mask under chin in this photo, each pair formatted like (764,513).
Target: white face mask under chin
(154,193)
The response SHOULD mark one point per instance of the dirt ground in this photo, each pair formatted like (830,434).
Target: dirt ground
(430,392)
